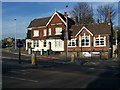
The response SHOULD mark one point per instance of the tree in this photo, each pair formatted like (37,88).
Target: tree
(84,12)
(102,11)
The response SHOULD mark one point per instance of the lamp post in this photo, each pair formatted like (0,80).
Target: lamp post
(116,43)
(66,34)
(15,33)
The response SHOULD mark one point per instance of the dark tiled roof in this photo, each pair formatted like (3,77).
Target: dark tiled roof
(43,21)
(39,22)
(95,29)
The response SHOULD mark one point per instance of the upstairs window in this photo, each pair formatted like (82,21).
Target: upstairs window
(58,31)
(44,32)
(49,30)
(36,33)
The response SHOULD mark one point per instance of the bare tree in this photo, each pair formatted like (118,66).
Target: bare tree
(102,12)
(84,12)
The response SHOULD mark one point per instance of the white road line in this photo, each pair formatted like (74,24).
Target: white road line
(21,72)
(21,79)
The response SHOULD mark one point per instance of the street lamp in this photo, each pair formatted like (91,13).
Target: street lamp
(116,43)
(66,34)
(15,33)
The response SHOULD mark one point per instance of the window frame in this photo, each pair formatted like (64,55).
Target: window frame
(99,41)
(49,31)
(70,43)
(36,33)
(36,43)
(84,36)
(58,30)
(58,43)
(44,32)
(44,43)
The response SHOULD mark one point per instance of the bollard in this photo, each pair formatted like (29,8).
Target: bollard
(29,51)
(33,58)
(73,58)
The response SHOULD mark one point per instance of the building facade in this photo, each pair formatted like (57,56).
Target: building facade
(44,34)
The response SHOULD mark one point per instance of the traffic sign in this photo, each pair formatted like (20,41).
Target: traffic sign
(19,44)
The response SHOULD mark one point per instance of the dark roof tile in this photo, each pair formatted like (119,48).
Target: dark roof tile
(96,29)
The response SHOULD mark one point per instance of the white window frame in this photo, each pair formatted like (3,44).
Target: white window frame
(58,30)
(58,43)
(44,43)
(44,32)
(70,43)
(80,40)
(36,33)
(36,43)
(99,38)
(49,31)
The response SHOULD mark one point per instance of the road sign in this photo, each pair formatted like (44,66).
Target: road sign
(19,44)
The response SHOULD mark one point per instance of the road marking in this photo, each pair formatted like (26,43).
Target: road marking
(21,79)
(21,72)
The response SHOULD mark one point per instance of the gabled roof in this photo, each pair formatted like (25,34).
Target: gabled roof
(46,20)
(39,22)
(95,29)
(59,15)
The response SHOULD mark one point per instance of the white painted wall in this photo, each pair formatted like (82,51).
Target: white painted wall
(41,45)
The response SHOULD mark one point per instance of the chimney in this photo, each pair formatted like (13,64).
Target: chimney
(109,17)
(65,14)
(76,20)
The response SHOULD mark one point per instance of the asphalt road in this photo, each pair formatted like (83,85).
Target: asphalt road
(54,75)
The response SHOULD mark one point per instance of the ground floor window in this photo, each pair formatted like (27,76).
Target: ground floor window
(29,44)
(72,43)
(44,43)
(58,43)
(84,40)
(36,43)
(100,41)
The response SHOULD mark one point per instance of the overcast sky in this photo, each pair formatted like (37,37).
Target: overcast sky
(25,12)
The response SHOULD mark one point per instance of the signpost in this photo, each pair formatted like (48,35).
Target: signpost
(19,45)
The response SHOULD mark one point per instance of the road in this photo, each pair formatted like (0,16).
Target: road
(54,75)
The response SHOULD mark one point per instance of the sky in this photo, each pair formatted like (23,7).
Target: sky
(25,12)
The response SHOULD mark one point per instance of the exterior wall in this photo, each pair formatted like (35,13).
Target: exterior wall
(92,43)
(27,41)
(53,48)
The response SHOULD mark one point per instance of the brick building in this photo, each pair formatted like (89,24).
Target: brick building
(44,34)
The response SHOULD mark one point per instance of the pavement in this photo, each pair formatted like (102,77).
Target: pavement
(61,60)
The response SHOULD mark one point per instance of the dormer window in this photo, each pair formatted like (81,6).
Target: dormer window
(58,30)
